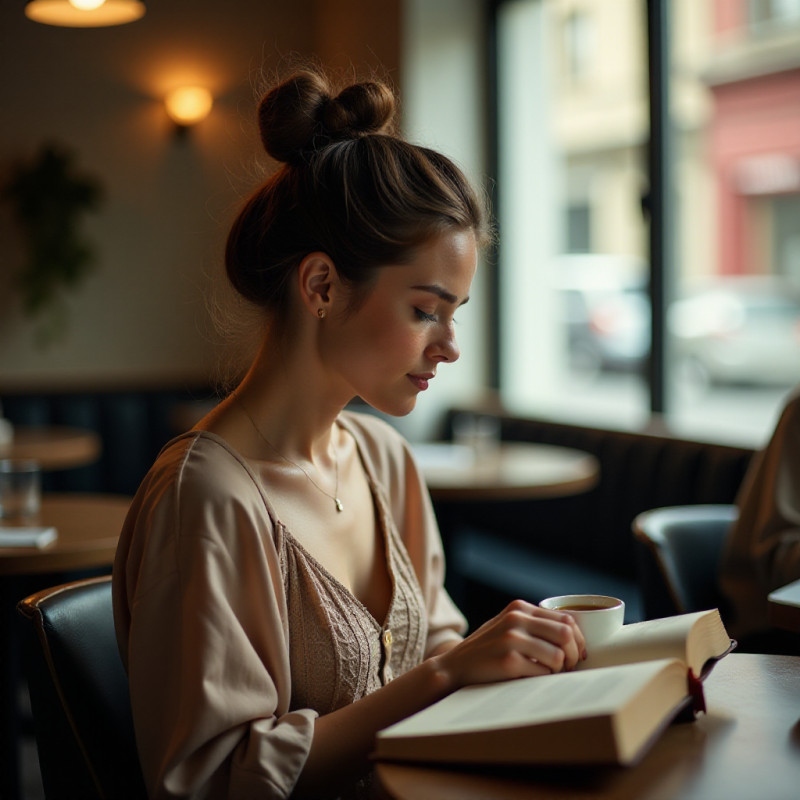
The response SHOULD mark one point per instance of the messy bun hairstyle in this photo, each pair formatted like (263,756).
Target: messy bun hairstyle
(348,186)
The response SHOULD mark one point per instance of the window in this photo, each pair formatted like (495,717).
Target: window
(736,123)
(571,172)
(575,245)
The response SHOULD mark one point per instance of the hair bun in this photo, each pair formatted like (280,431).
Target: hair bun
(301,115)
(361,108)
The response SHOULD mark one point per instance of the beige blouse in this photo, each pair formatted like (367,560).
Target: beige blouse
(235,638)
(763,548)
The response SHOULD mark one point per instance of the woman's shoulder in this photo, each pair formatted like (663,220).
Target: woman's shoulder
(197,487)
(203,465)
(199,499)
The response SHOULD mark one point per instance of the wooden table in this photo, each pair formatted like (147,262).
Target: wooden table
(747,746)
(511,471)
(54,447)
(88,527)
(784,607)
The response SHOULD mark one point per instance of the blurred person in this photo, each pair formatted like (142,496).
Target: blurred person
(762,551)
(278,587)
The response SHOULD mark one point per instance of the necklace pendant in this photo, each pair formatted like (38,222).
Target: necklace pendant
(338,502)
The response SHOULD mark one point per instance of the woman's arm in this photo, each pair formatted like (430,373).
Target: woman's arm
(202,626)
(521,641)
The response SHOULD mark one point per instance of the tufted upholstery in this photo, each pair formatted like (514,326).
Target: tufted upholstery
(79,694)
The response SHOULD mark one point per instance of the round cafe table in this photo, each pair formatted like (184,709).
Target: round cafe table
(54,447)
(88,527)
(508,471)
(746,746)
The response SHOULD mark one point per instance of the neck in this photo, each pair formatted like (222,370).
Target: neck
(290,404)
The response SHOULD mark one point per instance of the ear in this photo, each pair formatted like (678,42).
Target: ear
(317,282)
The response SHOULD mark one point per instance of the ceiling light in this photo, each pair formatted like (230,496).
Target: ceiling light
(84,13)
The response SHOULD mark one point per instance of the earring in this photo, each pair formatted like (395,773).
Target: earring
(321,313)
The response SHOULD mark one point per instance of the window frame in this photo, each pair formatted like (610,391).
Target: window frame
(658,203)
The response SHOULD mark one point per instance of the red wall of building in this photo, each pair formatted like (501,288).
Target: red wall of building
(755,145)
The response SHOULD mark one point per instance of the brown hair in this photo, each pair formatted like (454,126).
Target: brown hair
(348,186)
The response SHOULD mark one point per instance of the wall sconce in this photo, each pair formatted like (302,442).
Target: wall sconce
(188,105)
(84,13)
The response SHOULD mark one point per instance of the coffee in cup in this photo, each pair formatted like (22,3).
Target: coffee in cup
(598,616)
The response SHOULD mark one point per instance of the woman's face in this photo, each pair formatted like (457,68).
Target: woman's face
(392,346)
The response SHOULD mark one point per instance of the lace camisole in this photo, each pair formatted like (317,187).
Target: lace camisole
(339,652)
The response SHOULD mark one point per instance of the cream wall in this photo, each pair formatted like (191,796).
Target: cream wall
(141,317)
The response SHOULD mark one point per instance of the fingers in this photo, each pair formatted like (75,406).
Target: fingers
(523,640)
(549,637)
(576,643)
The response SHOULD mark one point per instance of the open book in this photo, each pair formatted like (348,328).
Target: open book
(610,710)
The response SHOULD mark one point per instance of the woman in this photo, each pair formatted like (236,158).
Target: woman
(279,581)
(762,550)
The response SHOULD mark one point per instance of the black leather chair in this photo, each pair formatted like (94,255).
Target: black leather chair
(679,555)
(79,694)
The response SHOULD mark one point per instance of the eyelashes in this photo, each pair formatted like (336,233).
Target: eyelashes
(424,316)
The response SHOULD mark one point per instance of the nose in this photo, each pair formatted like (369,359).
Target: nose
(444,348)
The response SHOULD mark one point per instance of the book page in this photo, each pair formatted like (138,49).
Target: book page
(656,638)
(529,701)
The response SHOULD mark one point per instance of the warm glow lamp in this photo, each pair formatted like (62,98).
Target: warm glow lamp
(84,13)
(188,105)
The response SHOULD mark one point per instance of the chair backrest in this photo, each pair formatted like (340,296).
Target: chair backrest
(679,562)
(79,693)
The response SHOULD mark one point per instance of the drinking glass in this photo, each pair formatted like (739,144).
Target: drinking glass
(20,489)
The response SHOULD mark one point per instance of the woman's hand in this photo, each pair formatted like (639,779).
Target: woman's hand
(521,641)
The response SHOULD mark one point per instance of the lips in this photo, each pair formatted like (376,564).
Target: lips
(421,381)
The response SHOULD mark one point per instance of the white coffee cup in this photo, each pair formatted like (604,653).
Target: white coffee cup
(598,616)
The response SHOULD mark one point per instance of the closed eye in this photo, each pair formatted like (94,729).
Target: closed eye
(424,316)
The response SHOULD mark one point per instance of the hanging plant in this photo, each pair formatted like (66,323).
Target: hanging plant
(49,199)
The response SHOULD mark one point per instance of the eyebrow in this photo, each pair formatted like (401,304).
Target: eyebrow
(440,292)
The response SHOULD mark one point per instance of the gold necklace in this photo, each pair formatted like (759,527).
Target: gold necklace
(335,497)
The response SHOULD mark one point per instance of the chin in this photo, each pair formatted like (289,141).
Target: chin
(398,411)
(394,407)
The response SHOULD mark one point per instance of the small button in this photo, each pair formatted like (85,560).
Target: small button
(387,638)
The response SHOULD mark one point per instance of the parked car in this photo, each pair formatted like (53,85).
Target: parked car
(739,329)
(605,310)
